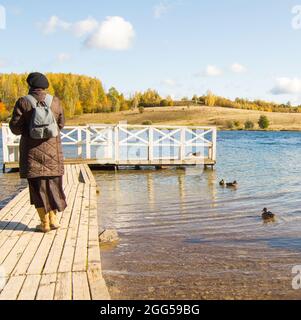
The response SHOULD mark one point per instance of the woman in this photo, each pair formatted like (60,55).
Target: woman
(41,161)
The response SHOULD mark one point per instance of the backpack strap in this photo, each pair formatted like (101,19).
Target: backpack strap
(48,100)
(33,101)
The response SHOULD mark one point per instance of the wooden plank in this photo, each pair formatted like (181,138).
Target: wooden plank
(70,243)
(47,287)
(56,250)
(73,178)
(74,175)
(16,233)
(20,198)
(84,176)
(41,265)
(98,287)
(81,289)
(67,170)
(90,175)
(63,290)
(93,244)
(27,239)
(27,257)
(81,250)
(30,251)
(15,254)
(15,224)
(124,163)
(77,168)
(40,257)
(30,288)
(16,212)
(12,288)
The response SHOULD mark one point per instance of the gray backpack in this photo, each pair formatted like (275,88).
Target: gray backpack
(43,124)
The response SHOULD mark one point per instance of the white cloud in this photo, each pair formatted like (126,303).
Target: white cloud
(238,68)
(287,86)
(169,82)
(114,33)
(55,23)
(160,9)
(212,71)
(84,27)
(63,57)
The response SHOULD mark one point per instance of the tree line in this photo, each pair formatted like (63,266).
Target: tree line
(263,123)
(82,94)
(260,105)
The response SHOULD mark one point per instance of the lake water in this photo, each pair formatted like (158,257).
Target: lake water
(184,236)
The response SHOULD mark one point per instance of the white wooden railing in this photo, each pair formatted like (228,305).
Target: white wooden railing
(116,143)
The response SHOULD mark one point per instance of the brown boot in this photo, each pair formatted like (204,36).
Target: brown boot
(45,224)
(54,225)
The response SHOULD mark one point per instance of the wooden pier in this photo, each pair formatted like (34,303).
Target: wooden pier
(60,265)
(127,146)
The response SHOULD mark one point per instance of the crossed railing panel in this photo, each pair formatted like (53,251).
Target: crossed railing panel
(115,137)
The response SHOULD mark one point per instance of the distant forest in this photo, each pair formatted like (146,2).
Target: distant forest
(81,94)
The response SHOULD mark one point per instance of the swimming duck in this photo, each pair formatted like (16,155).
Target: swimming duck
(267,215)
(222,183)
(232,184)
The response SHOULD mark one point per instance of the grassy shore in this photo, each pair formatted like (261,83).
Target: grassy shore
(203,116)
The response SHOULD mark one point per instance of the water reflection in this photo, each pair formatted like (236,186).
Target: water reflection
(184,236)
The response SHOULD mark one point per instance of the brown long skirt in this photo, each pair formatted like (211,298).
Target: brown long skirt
(47,193)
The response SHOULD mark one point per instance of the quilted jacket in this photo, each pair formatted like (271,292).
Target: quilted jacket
(38,158)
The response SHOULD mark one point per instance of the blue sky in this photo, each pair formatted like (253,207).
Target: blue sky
(236,48)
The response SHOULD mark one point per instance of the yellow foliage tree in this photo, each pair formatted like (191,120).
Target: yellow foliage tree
(210,99)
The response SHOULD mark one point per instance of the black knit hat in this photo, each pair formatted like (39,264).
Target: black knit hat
(37,80)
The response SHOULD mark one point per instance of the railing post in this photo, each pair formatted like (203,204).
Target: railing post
(4,143)
(109,147)
(151,144)
(80,143)
(116,143)
(214,142)
(183,144)
(88,143)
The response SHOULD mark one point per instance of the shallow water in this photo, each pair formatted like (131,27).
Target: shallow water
(10,184)
(183,236)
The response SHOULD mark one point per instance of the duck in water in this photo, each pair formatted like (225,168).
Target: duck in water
(268,215)
(222,183)
(233,184)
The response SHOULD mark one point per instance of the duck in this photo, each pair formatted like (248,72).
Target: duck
(267,215)
(222,183)
(194,155)
(232,184)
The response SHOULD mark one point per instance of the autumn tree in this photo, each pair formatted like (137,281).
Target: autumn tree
(210,99)
(150,98)
(3,112)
